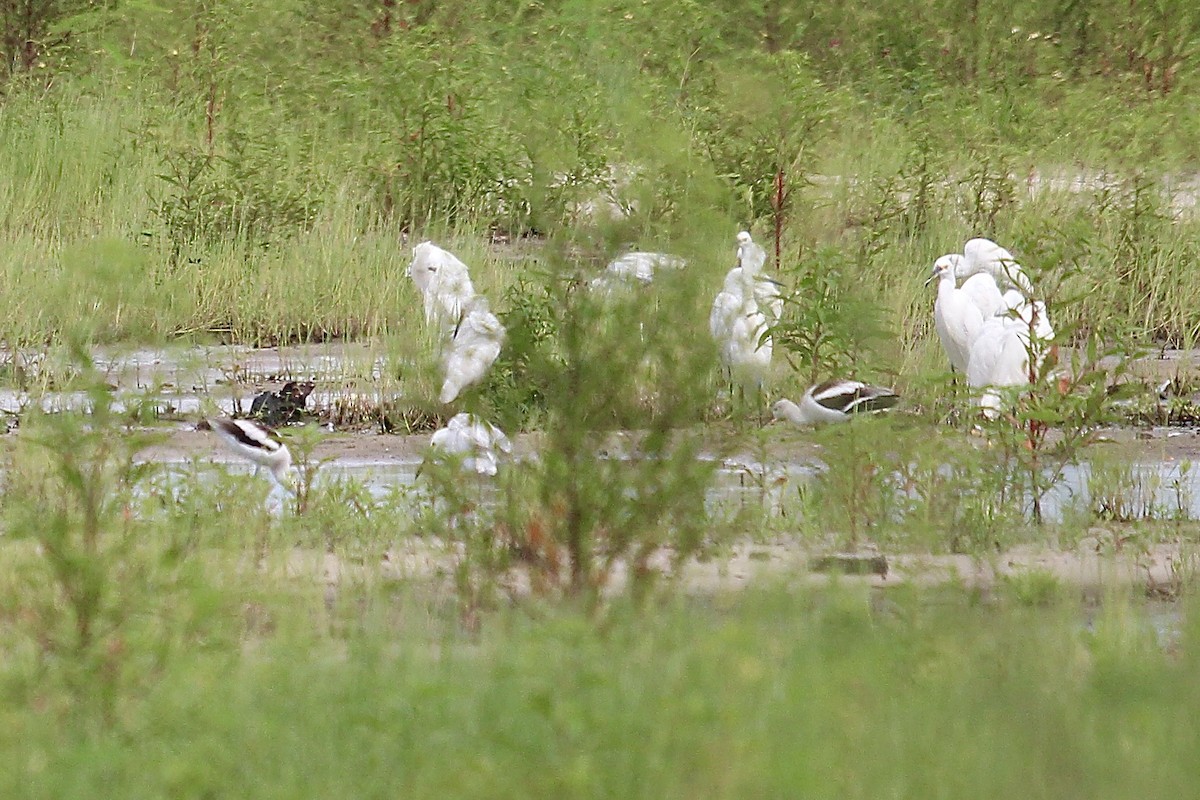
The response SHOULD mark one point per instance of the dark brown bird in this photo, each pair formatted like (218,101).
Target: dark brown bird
(282,407)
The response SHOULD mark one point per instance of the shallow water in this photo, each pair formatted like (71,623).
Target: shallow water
(1156,490)
(187,381)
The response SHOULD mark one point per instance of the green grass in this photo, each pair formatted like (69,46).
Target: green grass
(765,694)
(292,231)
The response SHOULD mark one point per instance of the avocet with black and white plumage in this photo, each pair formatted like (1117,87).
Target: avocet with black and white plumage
(259,445)
(835,401)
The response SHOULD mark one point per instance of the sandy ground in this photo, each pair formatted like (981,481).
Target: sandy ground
(182,442)
(1094,569)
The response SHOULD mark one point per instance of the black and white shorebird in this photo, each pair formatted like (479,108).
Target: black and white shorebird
(834,401)
(257,444)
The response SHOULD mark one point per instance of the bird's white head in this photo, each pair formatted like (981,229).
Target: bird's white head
(944,266)
(743,238)
(786,409)
(423,265)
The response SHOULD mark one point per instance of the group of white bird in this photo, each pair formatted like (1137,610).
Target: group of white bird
(470,334)
(470,338)
(991,329)
(743,313)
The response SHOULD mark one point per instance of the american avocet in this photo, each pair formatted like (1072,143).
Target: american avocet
(258,444)
(835,401)
(955,316)
(474,346)
(283,406)
(474,440)
(444,282)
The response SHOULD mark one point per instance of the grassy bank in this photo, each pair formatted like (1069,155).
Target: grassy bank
(763,694)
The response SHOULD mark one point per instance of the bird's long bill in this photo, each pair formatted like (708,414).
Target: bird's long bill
(929,280)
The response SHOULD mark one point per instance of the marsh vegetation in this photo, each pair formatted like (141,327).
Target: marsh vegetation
(202,200)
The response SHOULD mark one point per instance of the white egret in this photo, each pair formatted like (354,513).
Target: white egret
(1000,354)
(740,330)
(444,281)
(639,266)
(751,258)
(474,440)
(1034,315)
(956,317)
(835,401)
(473,347)
(984,255)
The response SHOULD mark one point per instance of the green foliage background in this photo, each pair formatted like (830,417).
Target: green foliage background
(278,149)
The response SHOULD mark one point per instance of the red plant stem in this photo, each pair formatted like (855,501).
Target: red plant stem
(779,198)
(210,115)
